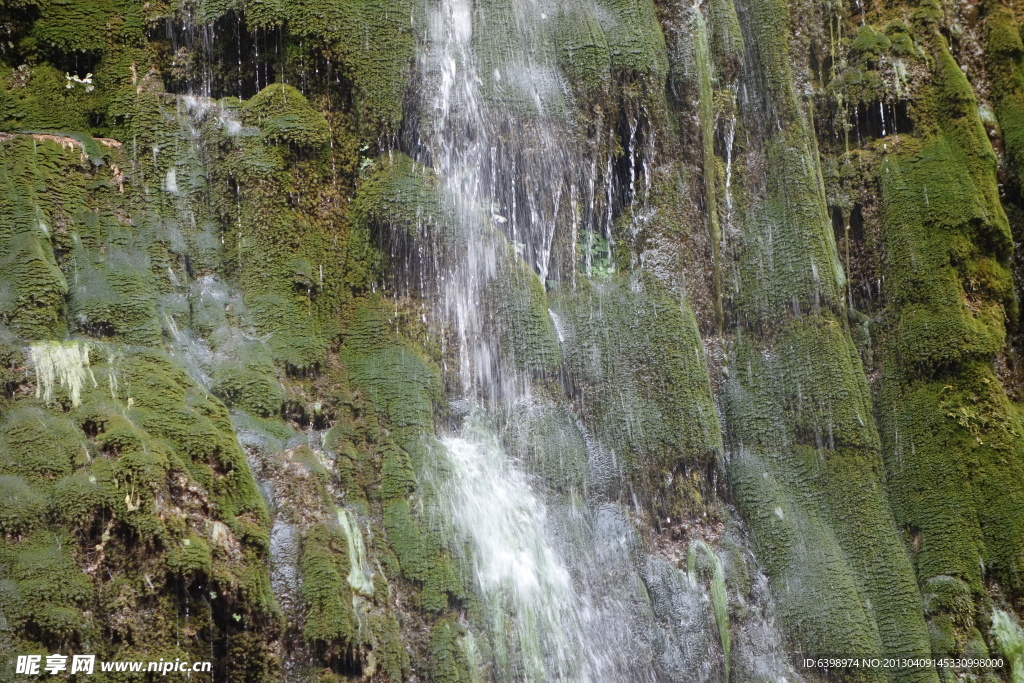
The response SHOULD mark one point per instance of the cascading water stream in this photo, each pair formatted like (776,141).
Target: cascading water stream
(502,198)
(514,562)
(536,613)
(540,623)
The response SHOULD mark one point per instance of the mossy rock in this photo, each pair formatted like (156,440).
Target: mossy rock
(397,378)
(79,500)
(644,388)
(519,317)
(255,390)
(75,25)
(45,103)
(294,344)
(870,43)
(401,195)
(47,593)
(550,442)
(374,43)
(448,662)
(190,558)
(583,51)
(951,434)
(285,115)
(22,509)
(39,445)
(32,286)
(331,623)
(116,301)
(635,41)
(805,464)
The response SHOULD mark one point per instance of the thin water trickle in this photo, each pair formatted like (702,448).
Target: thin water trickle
(730,137)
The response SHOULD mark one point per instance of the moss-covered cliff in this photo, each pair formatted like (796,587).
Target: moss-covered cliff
(747,269)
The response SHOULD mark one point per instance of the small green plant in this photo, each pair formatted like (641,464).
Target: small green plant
(597,255)
(366,163)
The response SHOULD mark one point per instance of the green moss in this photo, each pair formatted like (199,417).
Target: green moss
(547,437)
(448,663)
(519,315)
(75,25)
(295,316)
(719,596)
(79,500)
(1005,53)
(951,437)
(32,287)
(399,381)
(39,445)
(190,558)
(1010,638)
(403,387)
(788,261)
(117,300)
(806,470)
(251,387)
(870,42)
(261,13)
(289,256)
(950,597)
(956,472)
(373,43)
(284,115)
(643,389)
(634,37)
(402,195)
(405,202)
(41,101)
(330,621)
(388,646)
(250,658)
(726,35)
(22,509)
(929,206)
(903,45)
(144,487)
(168,405)
(421,555)
(582,46)
(46,593)
(702,57)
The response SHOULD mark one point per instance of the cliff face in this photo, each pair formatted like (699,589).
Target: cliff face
(721,300)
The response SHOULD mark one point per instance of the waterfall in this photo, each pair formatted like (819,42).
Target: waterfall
(529,500)
(421,339)
(536,616)
(506,194)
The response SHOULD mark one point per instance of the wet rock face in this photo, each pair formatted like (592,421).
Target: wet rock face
(512,339)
